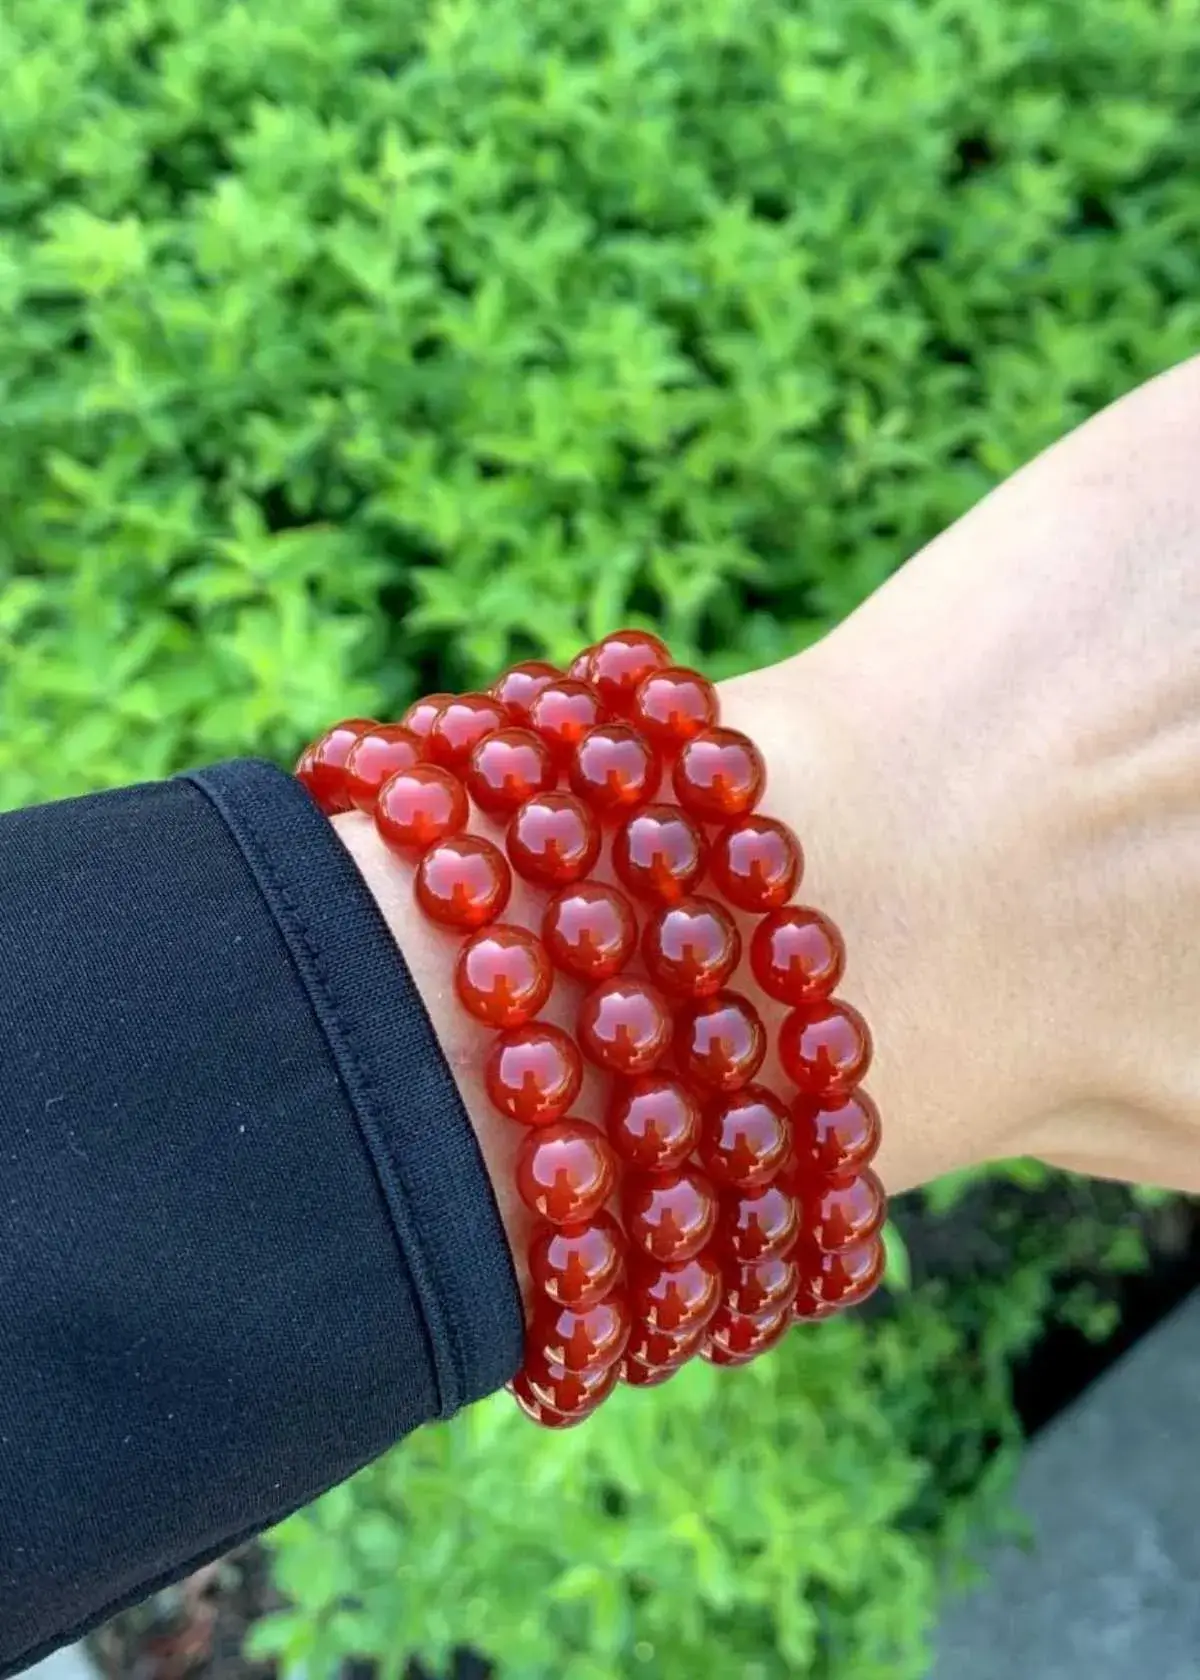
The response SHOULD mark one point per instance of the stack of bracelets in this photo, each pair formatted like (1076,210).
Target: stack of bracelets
(707,1214)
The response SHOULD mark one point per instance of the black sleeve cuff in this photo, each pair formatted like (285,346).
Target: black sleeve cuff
(247,1239)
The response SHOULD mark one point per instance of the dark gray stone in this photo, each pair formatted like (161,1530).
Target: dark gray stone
(1110,1589)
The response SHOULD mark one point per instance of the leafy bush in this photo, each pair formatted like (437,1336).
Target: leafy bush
(348,346)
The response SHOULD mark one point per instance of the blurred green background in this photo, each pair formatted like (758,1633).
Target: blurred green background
(350,347)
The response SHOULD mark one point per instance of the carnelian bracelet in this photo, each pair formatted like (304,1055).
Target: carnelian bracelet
(706,1214)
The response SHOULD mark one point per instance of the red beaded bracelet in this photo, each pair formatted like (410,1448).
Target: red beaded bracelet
(702,1213)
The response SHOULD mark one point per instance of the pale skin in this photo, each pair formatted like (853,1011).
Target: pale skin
(994,769)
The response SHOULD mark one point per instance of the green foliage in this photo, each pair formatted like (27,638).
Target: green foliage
(345,341)
(351,345)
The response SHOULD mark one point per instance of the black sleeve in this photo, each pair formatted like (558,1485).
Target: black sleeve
(246,1236)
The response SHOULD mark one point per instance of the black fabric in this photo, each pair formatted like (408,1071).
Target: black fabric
(246,1237)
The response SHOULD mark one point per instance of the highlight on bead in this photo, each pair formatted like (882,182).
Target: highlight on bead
(797,955)
(460,724)
(720,1041)
(379,753)
(746,1138)
(322,766)
(503,976)
(654,1122)
(614,769)
(533,1074)
(463,882)
(618,664)
(826,1047)
(416,808)
(507,768)
(719,775)
(521,684)
(565,1171)
(625,1026)
(421,715)
(577,1265)
(563,713)
(691,948)
(671,1216)
(590,930)
(757,863)
(677,1296)
(672,704)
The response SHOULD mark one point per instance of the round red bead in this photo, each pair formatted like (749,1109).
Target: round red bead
(720,1041)
(746,1138)
(416,808)
(533,1074)
(719,774)
(638,1375)
(679,1297)
(659,853)
(691,948)
(654,1122)
(670,1215)
(758,1223)
(577,1265)
(322,766)
(656,1348)
(736,1338)
(625,1026)
(463,882)
(620,662)
(825,1048)
(843,1214)
(503,976)
(534,1410)
(614,769)
(553,839)
(797,955)
(563,713)
(756,863)
(590,930)
(567,1393)
(835,1136)
(565,1171)
(844,1279)
(672,705)
(521,684)
(587,1339)
(461,723)
(761,1286)
(378,753)
(580,668)
(507,768)
(422,714)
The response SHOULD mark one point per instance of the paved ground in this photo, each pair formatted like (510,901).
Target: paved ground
(1111,1588)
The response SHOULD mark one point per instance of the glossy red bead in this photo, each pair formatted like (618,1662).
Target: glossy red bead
(624,1026)
(720,1041)
(746,1138)
(503,976)
(757,1223)
(521,684)
(843,1214)
(835,1136)
(719,775)
(829,1281)
(533,1073)
(589,930)
(679,1297)
(670,1215)
(614,769)
(577,1265)
(322,766)
(567,1393)
(565,1171)
(659,853)
(553,839)
(736,1338)
(825,1048)
(691,948)
(619,663)
(660,1348)
(536,1412)
(797,955)
(507,768)
(463,882)
(459,726)
(580,668)
(761,1286)
(588,1339)
(672,705)
(563,713)
(638,1375)
(653,1122)
(757,863)
(417,808)
(422,714)
(378,753)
